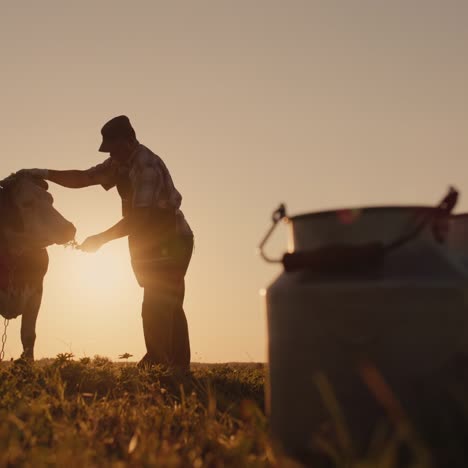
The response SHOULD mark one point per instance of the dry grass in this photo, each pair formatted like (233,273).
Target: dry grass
(95,413)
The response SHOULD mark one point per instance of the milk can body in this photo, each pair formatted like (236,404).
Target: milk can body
(405,319)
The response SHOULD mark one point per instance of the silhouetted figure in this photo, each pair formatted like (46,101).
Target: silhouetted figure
(160,239)
(29,223)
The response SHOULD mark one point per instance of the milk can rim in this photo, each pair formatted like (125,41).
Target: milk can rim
(366,209)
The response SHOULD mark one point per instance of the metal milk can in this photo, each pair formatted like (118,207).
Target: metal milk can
(369,298)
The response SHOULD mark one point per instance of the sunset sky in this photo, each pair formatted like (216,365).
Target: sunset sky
(318,104)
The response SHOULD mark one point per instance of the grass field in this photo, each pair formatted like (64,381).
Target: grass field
(93,412)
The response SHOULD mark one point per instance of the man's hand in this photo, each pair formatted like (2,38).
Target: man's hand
(92,243)
(39,173)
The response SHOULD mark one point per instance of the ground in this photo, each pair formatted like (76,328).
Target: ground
(93,412)
(96,413)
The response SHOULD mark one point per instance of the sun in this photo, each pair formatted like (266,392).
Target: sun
(102,272)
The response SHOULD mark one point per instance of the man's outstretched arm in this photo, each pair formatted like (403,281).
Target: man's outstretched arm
(69,178)
(94,243)
(128,225)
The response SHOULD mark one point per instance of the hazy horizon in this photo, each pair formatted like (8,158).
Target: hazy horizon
(318,104)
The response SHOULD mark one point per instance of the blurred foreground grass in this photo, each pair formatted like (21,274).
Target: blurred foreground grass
(96,413)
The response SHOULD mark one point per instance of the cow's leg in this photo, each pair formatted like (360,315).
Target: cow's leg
(28,323)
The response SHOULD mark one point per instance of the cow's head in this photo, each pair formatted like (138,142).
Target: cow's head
(28,213)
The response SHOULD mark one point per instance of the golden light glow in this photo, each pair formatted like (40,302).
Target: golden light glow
(100,273)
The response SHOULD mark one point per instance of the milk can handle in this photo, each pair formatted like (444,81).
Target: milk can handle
(276,217)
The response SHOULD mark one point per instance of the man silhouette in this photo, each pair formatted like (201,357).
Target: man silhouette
(160,239)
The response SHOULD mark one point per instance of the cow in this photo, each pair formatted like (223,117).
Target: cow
(28,225)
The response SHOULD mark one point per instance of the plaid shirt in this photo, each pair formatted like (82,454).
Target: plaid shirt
(151,184)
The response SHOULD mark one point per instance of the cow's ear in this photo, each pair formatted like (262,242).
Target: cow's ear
(41,182)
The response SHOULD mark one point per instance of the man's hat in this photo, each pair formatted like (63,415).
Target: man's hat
(118,127)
